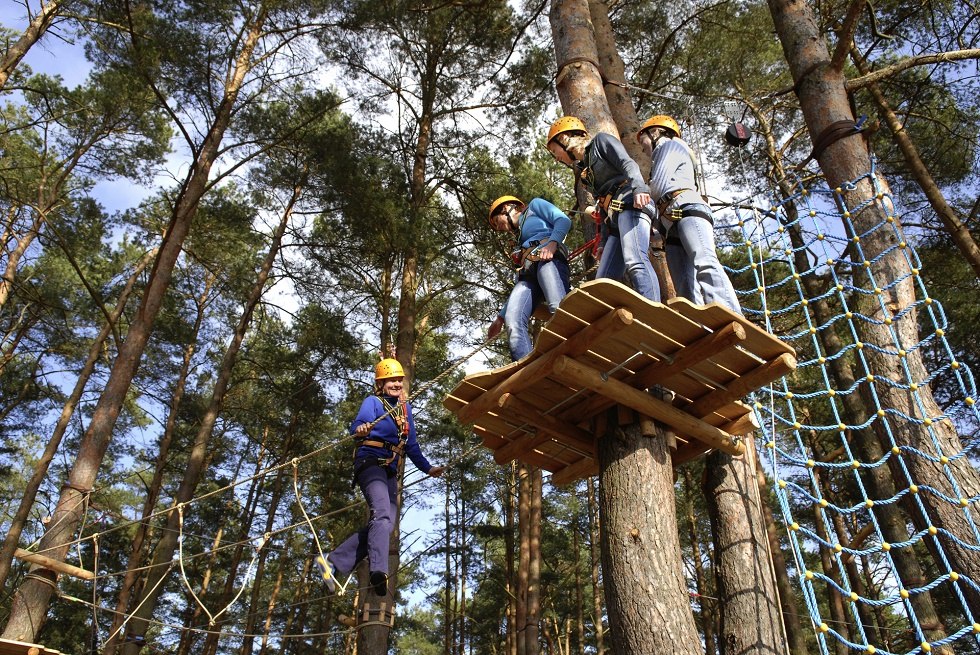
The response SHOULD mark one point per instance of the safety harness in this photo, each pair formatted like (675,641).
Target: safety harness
(524,258)
(399,414)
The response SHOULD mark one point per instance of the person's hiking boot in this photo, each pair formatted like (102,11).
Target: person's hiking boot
(379,580)
(328,573)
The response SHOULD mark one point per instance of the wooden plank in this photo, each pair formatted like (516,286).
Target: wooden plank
(707,355)
(647,404)
(53,564)
(761,342)
(541,367)
(744,385)
(493,441)
(575,437)
(688,451)
(576,471)
(520,446)
(681,360)
(9,647)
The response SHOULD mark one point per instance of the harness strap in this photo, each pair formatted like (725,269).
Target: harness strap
(668,198)
(398,449)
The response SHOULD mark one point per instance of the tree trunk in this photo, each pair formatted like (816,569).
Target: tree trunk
(14,257)
(787,594)
(595,556)
(959,232)
(579,587)
(532,620)
(246,521)
(879,483)
(248,643)
(646,593)
(30,604)
(751,622)
(194,611)
(613,70)
(139,543)
(199,451)
(11,540)
(820,88)
(511,524)
(524,556)
(709,612)
(35,30)
(579,81)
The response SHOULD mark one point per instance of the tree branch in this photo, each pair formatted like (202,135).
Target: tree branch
(922,60)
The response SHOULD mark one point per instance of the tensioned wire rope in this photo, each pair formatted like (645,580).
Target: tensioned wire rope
(212,619)
(179,507)
(289,462)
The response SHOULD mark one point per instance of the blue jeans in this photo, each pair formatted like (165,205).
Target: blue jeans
(628,253)
(546,281)
(373,539)
(694,266)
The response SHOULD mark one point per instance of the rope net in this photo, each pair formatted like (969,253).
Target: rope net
(877,496)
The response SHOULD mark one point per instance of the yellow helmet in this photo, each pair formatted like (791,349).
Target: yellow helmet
(388,368)
(495,205)
(565,124)
(661,120)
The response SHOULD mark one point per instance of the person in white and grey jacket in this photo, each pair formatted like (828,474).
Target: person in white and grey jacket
(690,241)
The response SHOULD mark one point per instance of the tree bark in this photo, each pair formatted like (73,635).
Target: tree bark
(879,483)
(709,611)
(787,595)
(613,70)
(957,231)
(524,555)
(751,622)
(139,542)
(820,88)
(532,621)
(579,81)
(30,604)
(199,451)
(595,557)
(646,593)
(12,537)
(35,30)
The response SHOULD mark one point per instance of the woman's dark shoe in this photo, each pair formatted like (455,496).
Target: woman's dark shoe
(379,581)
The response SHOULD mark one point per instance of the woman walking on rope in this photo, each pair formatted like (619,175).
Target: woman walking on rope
(379,446)
(602,164)
(542,272)
(690,241)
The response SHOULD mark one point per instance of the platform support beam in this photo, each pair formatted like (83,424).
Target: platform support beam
(743,385)
(644,403)
(53,564)
(686,357)
(540,368)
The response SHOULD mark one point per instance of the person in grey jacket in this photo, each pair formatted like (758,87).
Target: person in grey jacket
(602,164)
(690,242)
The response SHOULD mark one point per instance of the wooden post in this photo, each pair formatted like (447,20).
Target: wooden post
(624,394)
(53,564)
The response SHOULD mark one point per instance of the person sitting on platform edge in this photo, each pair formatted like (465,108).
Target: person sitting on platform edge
(686,217)
(613,178)
(376,472)
(543,274)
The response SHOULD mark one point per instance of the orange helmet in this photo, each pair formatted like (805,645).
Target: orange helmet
(565,124)
(388,368)
(661,120)
(495,205)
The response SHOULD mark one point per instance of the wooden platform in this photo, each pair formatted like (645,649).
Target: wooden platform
(606,346)
(8,647)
